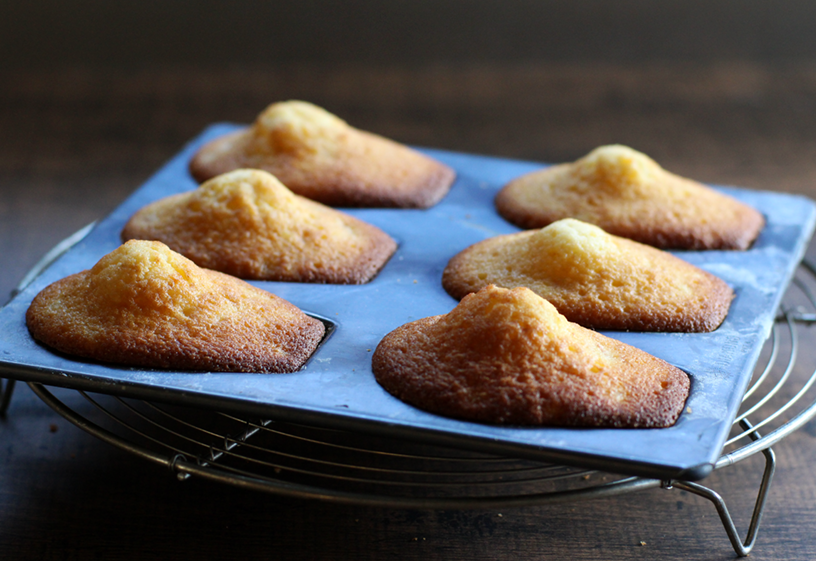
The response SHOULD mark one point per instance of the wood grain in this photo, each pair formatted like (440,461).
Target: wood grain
(75,141)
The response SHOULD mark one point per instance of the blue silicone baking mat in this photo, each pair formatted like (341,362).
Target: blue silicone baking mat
(337,389)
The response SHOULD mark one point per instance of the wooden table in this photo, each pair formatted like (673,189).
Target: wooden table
(75,141)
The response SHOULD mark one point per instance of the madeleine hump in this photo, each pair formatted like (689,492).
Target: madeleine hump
(319,156)
(246,223)
(595,279)
(144,305)
(506,356)
(629,195)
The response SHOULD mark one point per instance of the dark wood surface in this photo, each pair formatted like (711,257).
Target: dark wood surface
(75,141)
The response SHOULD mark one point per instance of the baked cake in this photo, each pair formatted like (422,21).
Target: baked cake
(320,156)
(627,194)
(144,305)
(247,224)
(508,357)
(595,279)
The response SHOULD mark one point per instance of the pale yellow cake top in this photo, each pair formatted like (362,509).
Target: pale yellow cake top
(615,168)
(595,279)
(141,282)
(572,253)
(247,223)
(145,305)
(628,194)
(294,127)
(612,177)
(318,155)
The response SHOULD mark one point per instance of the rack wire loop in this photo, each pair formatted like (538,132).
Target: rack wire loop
(344,467)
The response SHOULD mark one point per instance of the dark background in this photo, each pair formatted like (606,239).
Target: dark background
(694,83)
(138,33)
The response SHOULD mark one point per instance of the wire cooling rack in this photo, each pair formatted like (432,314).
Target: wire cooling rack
(348,467)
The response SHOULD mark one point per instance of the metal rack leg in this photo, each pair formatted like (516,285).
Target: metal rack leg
(6,389)
(7,386)
(741,548)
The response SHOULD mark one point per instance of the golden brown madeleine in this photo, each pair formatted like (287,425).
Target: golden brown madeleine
(595,279)
(147,306)
(508,357)
(629,195)
(319,156)
(247,224)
